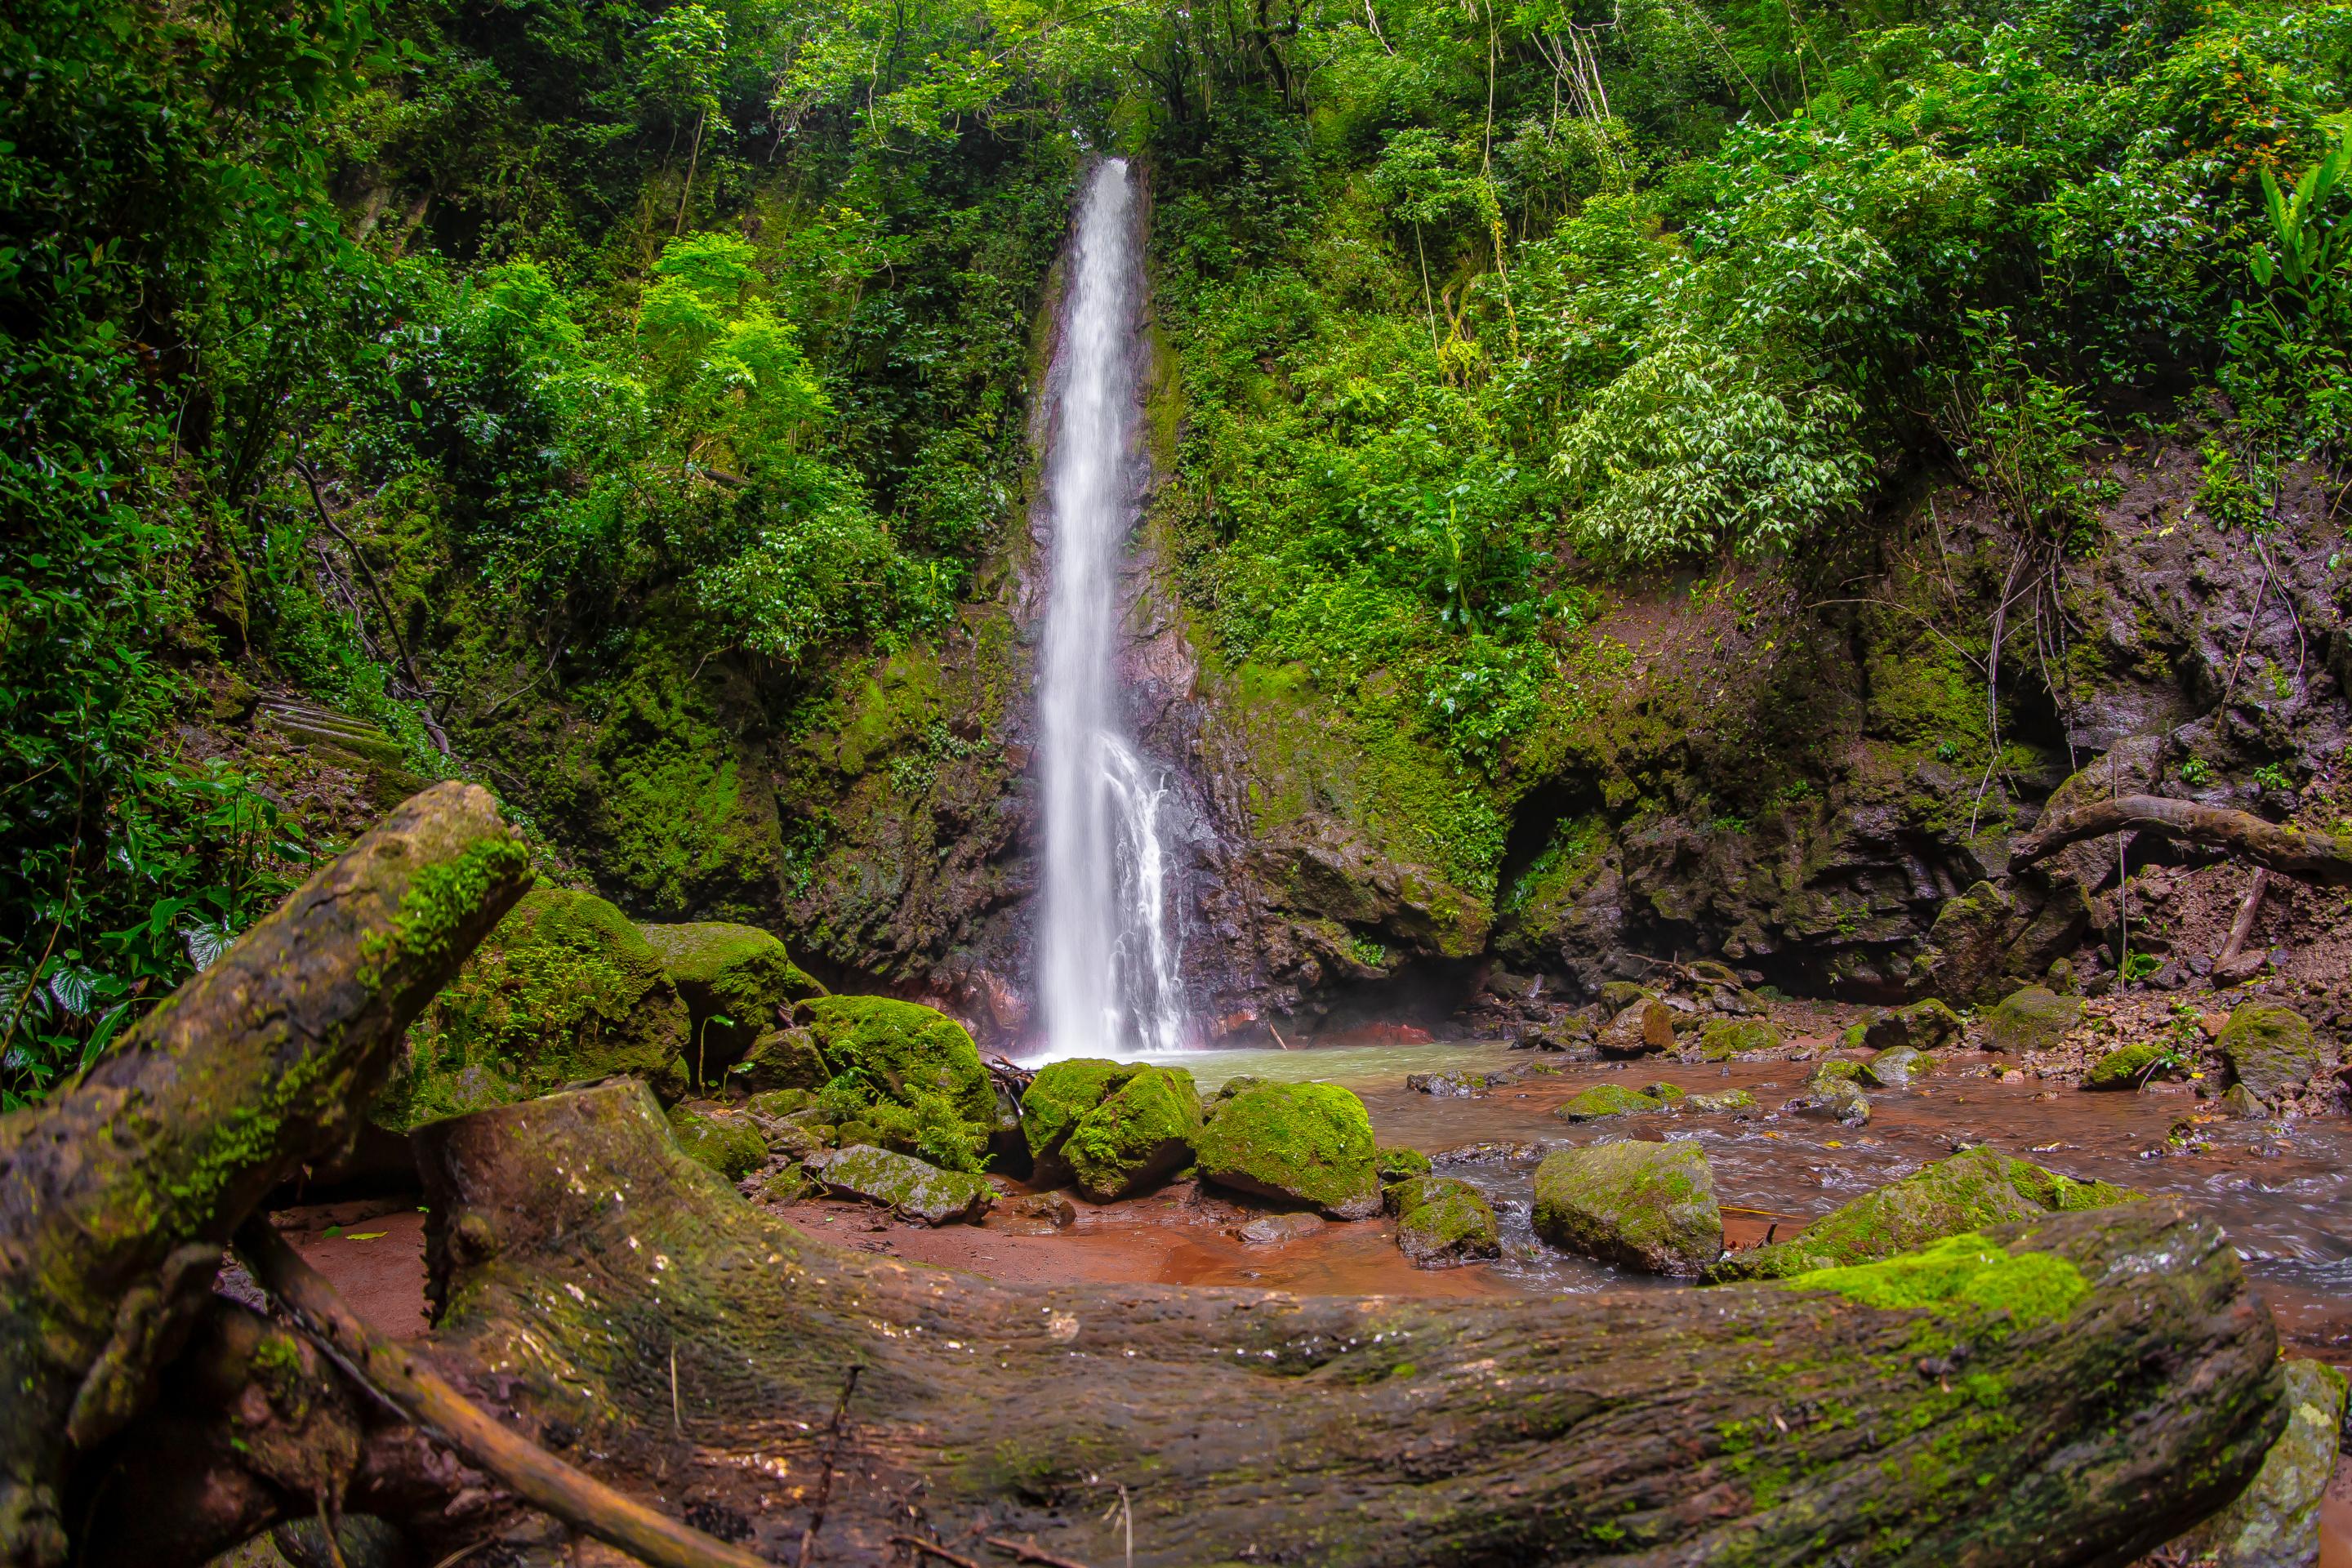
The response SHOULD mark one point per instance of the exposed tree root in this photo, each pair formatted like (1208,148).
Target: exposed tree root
(2290,851)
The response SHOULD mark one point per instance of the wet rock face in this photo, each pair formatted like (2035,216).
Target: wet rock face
(2274,1522)
(1300,1142)
(908,1188)
(1644,1205)
(1968,1192)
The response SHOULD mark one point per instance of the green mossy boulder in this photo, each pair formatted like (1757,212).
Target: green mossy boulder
(1923,1027)
(781,1058)
(565,990)
(1443,1222)
(1642,1206)
(2269,1048)
(1720,1039)
(2033,1019)
(1138,1137)
(728,1142)
(1302,1142)
(1971,1189)
(1062,1092)
(1603,1100)
(1830,1071)
(901,1050)
(1831,1098)
(1399,1165)
(1721,1102)
(909,1188)
(2274,1522)
(2127,1067)
(738,973)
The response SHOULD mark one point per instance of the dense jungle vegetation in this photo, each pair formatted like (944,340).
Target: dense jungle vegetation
(380,351)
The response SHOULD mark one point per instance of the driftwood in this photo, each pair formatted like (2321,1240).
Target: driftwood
(2293,852)
(2227,964)
(631,1304)
(117,1195)
(399,1375)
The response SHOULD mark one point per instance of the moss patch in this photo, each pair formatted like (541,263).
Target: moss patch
(727,1142)
(736,973)
(1964,1271)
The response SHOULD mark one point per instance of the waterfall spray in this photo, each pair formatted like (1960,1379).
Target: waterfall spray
(1108,951)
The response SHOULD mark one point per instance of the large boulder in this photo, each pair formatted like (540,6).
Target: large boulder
(2274,1522)
(784,1058)
(1896,1066)
(2271,1048)
(908,1188)
(1136,1137)
(1971,1189)
(736,973)
(565,990)
(1923,1026)
(2127,1067)
(1985,943)
(1302,1142)
(1443,1222)
(2033,1019)
(903,1051)
(1644,1205)
(1055,1099)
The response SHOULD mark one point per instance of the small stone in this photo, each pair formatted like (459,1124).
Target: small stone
(1645,1206)
(2240,1102)
(1459,1084)
(1841,1100)
(1722,1101)
(1497,1149)
(1399,1165)
(1273,1229)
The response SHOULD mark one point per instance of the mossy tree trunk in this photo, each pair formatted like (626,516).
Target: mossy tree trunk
(2106,1382)
(117,1195)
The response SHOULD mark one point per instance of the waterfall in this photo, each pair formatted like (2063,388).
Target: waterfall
(1108,947)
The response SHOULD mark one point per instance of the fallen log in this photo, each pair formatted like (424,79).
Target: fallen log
(117,1195)
(2290,851)
(2074,1390)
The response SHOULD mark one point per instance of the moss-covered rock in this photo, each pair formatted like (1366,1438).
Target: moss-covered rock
(1970,1191)
(1443,1222)
(2127,1067)
(1304,1142)
(1897,1065)
(1645,1206)
(1722,1102)
(1668,1095)
(1140,1134)
(781,1058)
(1720,1039)
(563,991)
(1399,1165)
(1831,1071)
(1055,1099)
(1923,1026)
(737,973)
(2274,1522)
(1603,1100)
(1839,1099)
(906,1186)
(728,1142)
(2271,1048)
(901,1050)
(2033,1019)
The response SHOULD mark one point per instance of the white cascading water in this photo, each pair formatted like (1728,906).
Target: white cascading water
(1109,951)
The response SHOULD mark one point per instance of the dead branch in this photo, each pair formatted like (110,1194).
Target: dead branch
(1029,1552)
(2294,852)
(408,662)
(933,1548)
(2243,926)
(427,1398)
